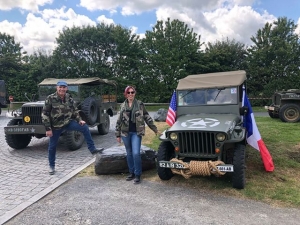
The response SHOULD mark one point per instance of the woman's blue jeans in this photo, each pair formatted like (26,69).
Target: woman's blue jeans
(133,149)
(73,125)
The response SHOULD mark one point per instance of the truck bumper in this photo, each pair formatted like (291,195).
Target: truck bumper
(28,129)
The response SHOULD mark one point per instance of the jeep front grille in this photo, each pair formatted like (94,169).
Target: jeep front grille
(35,114)
(197,144)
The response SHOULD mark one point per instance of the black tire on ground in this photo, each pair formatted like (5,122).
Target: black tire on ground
(17,141)
(73,140)
(289,113)
(103,128)
(0,111)
(239,166)
(90,109)
(165,153)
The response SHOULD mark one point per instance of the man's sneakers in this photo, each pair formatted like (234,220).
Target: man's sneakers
(97,150)
(130,177)
(51,170)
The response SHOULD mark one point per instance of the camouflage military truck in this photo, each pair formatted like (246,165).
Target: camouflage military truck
(94,97)
(3,103)
(285,105)
(208,136)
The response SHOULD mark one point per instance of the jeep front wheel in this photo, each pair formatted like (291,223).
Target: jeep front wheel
(165,153)
(17,141)
(238,176)
(73,140)
(289,113)
(103,128)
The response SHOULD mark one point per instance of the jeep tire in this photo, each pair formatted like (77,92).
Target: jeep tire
(103,128)
(165,153)
(73,140)
(238,176)
(17,141)
(289,113)
(90,109)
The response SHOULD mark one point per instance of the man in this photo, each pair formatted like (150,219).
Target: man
(59,114)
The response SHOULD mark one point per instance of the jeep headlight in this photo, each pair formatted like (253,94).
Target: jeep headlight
(220,137)
(173,136)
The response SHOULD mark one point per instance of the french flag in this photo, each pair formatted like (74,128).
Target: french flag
(253,136)
(171,116)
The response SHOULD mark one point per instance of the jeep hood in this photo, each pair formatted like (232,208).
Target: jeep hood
(205,122)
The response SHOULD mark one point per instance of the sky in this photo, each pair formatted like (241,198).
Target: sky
(36,24)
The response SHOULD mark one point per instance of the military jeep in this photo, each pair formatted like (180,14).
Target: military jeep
(285,105)
(94,97)
(208,136)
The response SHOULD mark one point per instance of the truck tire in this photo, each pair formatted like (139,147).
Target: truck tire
(17,141)
(73,140)
(239,166)
(289,113)
(90,109)
(103,128)
(165,153)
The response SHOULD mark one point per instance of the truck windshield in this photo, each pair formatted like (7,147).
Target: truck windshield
(221,96)
(46,90)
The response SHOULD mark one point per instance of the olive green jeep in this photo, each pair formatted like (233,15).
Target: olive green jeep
(285,105)
(208,136)
(94,97)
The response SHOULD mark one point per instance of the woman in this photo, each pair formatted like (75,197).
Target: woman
(131,127)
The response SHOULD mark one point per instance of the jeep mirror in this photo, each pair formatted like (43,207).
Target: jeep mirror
(243,110)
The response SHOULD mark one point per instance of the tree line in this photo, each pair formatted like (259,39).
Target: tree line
(155,63)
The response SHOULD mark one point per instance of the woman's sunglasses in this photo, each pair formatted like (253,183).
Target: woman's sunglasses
(131,92)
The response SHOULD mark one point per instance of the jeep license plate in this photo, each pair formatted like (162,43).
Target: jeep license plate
(172,165)
(225,168)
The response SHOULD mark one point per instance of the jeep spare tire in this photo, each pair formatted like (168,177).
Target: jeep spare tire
(90,109)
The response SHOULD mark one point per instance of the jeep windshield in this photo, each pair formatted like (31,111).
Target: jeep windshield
(221,96)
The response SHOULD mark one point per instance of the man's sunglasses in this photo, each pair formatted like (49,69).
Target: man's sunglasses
(131,92)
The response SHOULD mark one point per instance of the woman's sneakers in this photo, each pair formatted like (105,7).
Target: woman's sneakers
(130,177)
(137,180)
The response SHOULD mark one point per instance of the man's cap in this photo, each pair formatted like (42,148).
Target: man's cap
(62,83)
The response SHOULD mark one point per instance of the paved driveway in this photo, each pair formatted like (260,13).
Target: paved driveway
(24,173)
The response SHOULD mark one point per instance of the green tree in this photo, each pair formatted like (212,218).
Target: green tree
(172,50)
(11,66)
(273,59)
(105,51)
(226,55)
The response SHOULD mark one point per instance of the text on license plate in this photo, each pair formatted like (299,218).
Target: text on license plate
(172,165)
(225,168)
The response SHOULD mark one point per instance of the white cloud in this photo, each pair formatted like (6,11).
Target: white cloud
(238,22)
(30,5)
(40,31)
(104,19)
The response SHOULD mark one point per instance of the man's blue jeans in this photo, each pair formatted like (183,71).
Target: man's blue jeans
(133,149)
(73,125)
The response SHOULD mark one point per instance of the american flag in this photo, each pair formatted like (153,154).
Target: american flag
(171,116)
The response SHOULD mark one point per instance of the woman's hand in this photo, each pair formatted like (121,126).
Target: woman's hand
(118,139)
